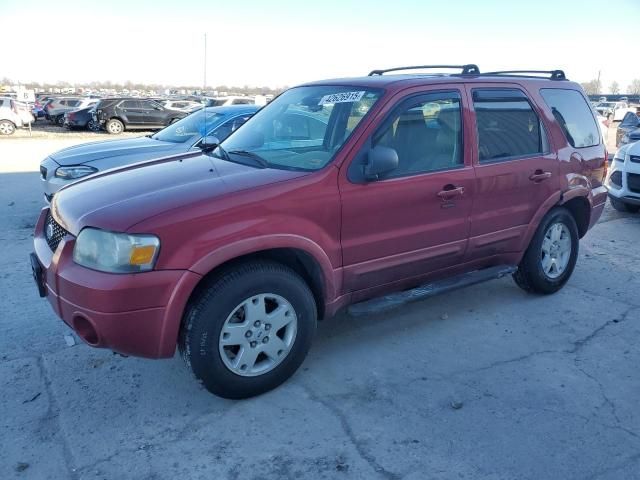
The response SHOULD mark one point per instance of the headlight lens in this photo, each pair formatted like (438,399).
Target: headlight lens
(115,252)
(625,138)
(77,171)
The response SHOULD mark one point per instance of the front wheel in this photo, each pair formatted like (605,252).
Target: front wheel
(249,330)
(552,254)
(621,206)
(7,127)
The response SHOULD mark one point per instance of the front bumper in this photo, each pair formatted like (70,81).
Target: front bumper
(133,314)
(625,190)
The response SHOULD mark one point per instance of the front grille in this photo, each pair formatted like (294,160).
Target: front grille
(53,232)
(634,158)
(43,172)
(633,182)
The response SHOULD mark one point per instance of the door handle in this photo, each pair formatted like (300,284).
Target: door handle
(539,176)
(450,191)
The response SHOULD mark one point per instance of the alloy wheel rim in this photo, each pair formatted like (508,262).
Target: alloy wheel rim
(258,335)
(556,250)
(115,128)
(5,128)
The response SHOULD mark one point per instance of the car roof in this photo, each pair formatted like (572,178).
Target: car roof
(402,81)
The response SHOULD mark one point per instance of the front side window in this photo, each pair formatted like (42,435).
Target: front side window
(573,114)
(507,126)
(426,134)
(303,128)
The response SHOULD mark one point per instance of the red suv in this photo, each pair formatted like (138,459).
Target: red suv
(336,192)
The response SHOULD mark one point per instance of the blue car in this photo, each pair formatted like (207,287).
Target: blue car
(70,164)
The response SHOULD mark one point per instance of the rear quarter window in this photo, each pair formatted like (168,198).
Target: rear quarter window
(572,112)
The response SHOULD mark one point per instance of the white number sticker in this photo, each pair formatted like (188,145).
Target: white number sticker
(344,97)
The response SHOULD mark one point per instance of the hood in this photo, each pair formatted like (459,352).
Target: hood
(120,198)
(90,152)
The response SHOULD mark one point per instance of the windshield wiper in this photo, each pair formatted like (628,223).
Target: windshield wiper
(254,156)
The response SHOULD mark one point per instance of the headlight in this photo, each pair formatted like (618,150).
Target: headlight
(618,157)
(115,252)
(78,171)
(625,138)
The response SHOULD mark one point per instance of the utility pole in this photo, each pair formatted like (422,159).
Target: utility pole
(204,85)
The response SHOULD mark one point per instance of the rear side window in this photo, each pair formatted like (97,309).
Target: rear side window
(572,112)
(507,125)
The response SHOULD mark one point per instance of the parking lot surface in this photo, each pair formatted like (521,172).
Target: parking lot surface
(482,383)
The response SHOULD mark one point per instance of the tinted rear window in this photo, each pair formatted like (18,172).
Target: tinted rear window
(574,116)
(507,125)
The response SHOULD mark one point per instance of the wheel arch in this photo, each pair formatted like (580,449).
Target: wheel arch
(315,268)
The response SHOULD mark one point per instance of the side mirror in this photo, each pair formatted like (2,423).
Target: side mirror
(209,143)
(381,160)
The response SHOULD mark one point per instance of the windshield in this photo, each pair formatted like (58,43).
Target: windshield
(191,127)
(303,128)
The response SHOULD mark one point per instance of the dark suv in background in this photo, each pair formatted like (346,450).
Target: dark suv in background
(118,114)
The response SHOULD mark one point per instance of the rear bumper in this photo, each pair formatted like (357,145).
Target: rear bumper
(134,314)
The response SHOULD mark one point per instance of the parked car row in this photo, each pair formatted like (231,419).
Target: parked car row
(113,114)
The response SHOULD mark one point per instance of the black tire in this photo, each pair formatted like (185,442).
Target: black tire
(530,275)
(7,127)
(206,316)
(60,120)
(114,126)
(621,206)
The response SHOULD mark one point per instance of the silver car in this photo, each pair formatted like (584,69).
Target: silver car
(70,164)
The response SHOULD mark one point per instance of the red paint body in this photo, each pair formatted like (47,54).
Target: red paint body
(365,239)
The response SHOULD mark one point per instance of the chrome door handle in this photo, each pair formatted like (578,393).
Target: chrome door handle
(450,191)
(539,176)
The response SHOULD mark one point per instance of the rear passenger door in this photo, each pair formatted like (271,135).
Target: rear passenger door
(132,112)
(414,220)
(516,172)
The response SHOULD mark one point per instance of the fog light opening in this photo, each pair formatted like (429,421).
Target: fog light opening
(85,330)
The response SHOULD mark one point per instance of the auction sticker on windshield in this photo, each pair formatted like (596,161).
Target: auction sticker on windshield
(343,97)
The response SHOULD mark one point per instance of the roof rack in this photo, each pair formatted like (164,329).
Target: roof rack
(470,69)
(553,74)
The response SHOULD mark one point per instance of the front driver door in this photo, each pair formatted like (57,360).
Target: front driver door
(414,220)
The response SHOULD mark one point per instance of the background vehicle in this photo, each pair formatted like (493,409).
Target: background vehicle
(116,115)
(628,130)
(623,179)
(230,100)
(614,111)
(336,192)
(57,107)
(182,105)
(10,117)
(81,119)
(185,135)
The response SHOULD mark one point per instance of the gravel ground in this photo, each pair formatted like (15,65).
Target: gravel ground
(484,383)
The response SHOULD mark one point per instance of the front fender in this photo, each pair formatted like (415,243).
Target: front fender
(332,278)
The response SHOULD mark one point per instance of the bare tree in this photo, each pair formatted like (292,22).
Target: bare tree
(614,88)
(592,87)
(634,87)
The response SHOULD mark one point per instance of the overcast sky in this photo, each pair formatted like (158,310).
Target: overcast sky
(285,42)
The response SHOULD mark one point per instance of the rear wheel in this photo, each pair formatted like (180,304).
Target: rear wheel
(249,330)
(60,120)
(114,126)
(552,254)
(7,127)
(621,206)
